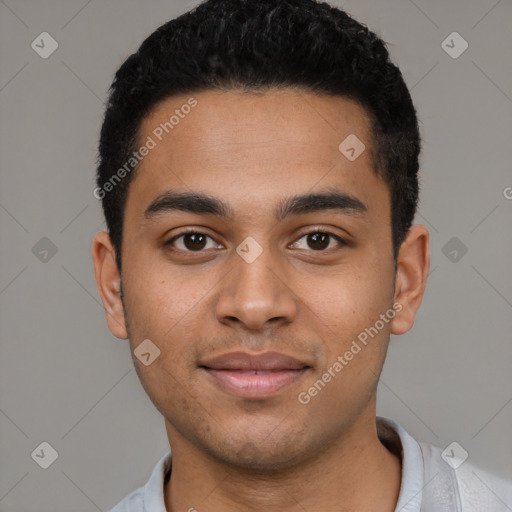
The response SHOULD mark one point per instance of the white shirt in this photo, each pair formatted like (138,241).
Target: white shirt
(428,484)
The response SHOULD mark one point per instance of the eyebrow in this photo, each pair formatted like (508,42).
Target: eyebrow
(204,204)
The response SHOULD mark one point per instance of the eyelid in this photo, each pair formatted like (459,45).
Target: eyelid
(188,231)
(309,231)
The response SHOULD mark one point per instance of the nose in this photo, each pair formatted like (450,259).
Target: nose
(255,294)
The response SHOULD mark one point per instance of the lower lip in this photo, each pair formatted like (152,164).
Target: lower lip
(252,385)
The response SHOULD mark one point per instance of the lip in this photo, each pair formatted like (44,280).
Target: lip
(254,376)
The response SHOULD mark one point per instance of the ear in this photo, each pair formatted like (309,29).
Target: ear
(413,263)
(108,282)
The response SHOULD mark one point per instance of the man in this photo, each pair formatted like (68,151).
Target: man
(258,174)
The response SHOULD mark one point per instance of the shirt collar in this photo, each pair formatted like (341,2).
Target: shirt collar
(153,500)
(411,485)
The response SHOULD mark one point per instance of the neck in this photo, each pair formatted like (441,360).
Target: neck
(353,473)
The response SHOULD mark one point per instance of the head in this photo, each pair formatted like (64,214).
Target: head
(244,110)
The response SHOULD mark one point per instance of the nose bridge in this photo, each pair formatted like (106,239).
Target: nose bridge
(254,292)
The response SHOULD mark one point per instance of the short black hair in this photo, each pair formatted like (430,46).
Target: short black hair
(256,45)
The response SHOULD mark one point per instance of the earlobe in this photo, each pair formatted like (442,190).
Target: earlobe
(413,263)
(108,282)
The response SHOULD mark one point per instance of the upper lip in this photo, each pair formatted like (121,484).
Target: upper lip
(244,361)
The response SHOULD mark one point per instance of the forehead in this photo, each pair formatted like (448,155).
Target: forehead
(248,147)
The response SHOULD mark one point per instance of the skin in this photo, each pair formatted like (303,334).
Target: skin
(252,151)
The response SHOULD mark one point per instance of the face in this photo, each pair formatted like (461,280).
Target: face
(260,315)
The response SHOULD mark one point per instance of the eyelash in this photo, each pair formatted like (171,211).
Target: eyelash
(169,243)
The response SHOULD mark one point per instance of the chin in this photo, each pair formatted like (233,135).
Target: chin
(259,455)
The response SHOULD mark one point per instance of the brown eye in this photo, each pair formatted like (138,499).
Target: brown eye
(191,241)
(320,240)
(194,241)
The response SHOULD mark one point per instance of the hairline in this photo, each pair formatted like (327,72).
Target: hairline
(375,156)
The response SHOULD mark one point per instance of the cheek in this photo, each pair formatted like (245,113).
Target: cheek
(348,319)
(172,394)
(169,319)
(159,299)
(354,299)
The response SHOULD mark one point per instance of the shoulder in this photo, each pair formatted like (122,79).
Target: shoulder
(454,484)
(133,502)
(150,497)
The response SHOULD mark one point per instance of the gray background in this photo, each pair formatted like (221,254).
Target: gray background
(66,380)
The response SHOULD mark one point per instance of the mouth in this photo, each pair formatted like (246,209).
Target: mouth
(255,376)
